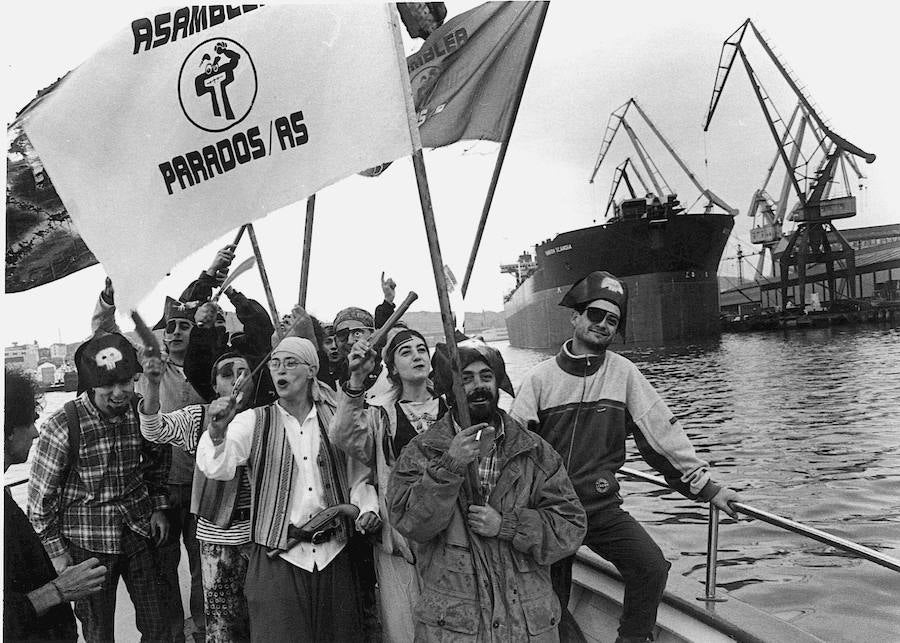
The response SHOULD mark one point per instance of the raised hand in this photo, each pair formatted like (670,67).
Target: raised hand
(205,317)
(219,267)
(464,447)
(389,288)
(361,362)
(108,293)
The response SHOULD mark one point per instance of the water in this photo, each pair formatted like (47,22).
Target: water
(805,425)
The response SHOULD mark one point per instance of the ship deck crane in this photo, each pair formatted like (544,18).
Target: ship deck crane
(617,119)
(621,174)
(809,242)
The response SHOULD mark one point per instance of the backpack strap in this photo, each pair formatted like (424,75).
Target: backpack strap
(74,435)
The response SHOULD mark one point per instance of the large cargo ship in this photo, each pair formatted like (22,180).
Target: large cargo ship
(667,257)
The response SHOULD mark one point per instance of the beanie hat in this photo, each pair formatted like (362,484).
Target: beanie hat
(106,359)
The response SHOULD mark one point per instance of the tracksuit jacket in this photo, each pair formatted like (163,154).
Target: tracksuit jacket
(586,405)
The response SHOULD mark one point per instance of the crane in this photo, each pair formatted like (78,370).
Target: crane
(616,119)
(621,174)
(809,242)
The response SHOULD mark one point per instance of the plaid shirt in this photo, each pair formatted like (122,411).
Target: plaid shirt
(489,466)
(119,479)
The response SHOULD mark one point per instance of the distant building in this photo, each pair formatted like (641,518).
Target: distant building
(58,351)
(46,374)
(21,357)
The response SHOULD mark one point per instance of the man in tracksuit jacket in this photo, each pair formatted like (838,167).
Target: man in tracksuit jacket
(585,402)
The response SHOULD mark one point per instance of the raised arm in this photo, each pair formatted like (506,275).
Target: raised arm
(104,317)
(226,444)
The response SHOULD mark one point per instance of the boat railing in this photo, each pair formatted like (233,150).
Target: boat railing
(712,540)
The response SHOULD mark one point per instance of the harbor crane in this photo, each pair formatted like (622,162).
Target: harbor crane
(617,119)
(810,242)
(621,174)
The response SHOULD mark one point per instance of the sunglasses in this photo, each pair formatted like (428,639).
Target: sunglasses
(597,315)
(179,324)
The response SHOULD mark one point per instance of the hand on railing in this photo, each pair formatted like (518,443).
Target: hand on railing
(723,500)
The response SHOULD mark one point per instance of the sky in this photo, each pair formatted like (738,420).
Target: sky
(592,57)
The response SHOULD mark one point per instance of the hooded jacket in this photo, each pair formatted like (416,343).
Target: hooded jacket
(476,588)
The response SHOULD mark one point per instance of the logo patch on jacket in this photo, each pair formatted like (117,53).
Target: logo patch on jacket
(602,485)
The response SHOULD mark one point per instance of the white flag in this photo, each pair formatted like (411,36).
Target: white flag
(196,120)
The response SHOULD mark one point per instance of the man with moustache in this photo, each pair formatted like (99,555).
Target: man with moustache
(105,496)
(297,588)
(485,569)
(585,402)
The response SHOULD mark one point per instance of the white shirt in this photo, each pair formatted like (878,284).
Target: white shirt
(307,498)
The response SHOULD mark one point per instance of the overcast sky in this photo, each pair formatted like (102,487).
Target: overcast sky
(591,58)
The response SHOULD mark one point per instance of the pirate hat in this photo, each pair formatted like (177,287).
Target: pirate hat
(598,285)
(177,310)
(104,360)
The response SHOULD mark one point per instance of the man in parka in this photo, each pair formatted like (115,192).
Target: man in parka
(485,569)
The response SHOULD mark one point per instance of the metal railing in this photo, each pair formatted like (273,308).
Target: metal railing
(712,541)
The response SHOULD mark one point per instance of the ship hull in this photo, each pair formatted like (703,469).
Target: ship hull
(670,267)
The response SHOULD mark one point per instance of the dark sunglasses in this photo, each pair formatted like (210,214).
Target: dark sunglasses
(597,315)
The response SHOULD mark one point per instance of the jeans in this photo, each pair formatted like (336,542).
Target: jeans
(621,540)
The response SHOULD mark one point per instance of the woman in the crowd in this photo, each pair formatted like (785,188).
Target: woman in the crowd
(35,600)
(375,433)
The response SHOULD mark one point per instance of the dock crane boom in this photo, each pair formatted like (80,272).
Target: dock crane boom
(621,174)
(617,118)
(810,241)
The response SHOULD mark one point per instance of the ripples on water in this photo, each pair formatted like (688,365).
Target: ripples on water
(804,424)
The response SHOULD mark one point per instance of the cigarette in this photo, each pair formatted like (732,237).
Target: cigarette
(478,435)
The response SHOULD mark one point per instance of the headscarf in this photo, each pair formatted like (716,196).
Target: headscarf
(397,337)
(305,351)
(470,351)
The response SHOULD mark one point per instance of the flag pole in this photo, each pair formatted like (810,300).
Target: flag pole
(434,250)
(437,266)
(265,279)
(503,146)
(307,247)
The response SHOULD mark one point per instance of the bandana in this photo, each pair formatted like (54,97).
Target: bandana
(105,360)
(352,317)
(305,351)
(396,338)
(470,351)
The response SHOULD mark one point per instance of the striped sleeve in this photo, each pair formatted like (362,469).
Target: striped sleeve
(181,428)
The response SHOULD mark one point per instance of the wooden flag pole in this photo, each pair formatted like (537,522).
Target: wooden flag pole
(437,266)
(502,155)
(307,247)
(265,279)
(240,233)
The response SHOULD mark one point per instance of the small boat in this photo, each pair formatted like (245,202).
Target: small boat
(690,612)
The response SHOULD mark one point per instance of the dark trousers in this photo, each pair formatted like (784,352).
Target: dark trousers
(621,540)
(182,526)
(363,563)
(138,565)
(287,603)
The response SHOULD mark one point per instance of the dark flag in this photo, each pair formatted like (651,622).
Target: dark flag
(42,244)
(466,76)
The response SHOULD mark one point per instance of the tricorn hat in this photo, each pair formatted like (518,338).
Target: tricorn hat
(106,359)
(177,310)
(598,285)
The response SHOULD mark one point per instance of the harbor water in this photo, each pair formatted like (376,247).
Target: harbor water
(804,424)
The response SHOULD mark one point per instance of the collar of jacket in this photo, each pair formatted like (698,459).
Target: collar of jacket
(578,365)
(515,441)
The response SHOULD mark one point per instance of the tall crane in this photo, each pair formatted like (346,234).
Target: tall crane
(616,119)
(809,242)
(621,174)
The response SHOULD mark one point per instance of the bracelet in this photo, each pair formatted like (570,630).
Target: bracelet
(62,598)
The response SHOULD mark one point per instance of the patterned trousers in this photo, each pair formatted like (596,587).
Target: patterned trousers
(138,566)
(224,569)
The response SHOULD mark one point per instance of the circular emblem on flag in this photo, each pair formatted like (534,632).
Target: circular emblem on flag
(602,485)
(217,84)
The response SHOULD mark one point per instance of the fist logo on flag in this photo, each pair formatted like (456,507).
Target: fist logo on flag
(217,84)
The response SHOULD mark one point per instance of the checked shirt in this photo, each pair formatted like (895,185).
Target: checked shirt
(119,479)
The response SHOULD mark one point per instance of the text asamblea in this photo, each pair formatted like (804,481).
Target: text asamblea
(167,27)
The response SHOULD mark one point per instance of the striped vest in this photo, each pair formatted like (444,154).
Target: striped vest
(273,475)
